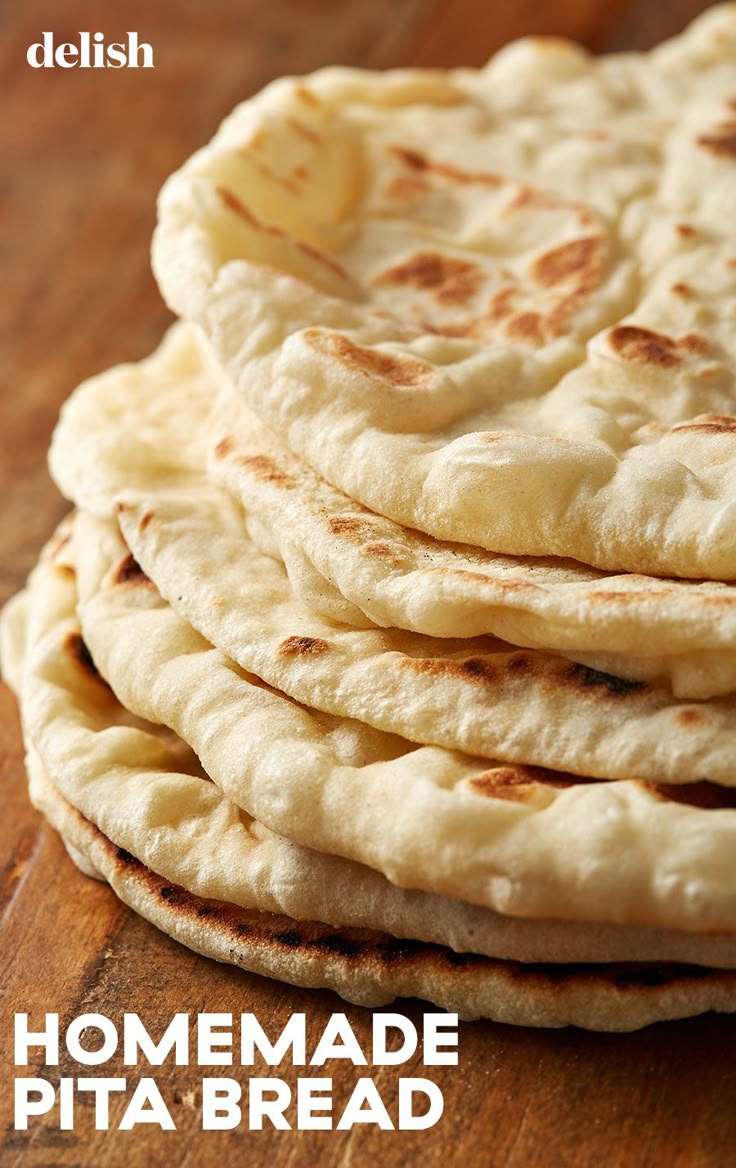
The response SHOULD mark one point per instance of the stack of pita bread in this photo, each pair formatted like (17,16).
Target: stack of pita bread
(391,645)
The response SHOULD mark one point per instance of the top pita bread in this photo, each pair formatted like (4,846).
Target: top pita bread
(496,306)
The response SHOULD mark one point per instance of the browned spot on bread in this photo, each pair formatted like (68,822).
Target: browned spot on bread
(558,316)
(502,785)
(305,95)
(634,977)
(304,130)
(570,272)
(620,596)
(526,326)
(513,586)
(76,647)
(686,230)
(709,424)
(411,158)
(420,162)
(127,858)
(204,910)
(145,519)
(265,470)
(708,796)
(224,447)
(519,783)
(520,663)
(398,370)
(464,574)
(65,570)
(691,716)
(378,550)
(483,670)
(431,666)
(300,172)
(458,330)
(476,669)
(500,303)
(348,525)
(643,345)
(334,943)
(722,142)
(681,289)
(233,203)
(708,372)
(303,646)
(315,254)
(406,186)
(280,179)
(449,279)
(532,197)
(578,260)
(616,687)
(129,570)
(693,343)
(529,197)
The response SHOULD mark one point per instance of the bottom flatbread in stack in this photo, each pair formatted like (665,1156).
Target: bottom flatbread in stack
(135,807)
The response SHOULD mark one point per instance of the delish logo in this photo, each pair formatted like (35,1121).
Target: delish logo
(90,53)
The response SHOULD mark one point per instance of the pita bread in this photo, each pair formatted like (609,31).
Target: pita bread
(521,840)
(136,437)
(510,325)
(349,564)
(510,329)
(154,811)
(372,969)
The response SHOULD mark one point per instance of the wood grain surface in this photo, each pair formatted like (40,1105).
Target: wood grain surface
(83,154)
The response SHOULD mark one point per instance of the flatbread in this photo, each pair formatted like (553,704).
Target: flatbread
(148,792)
(521,840)
(508,327)
(372,969)
(129,438)
(348,563)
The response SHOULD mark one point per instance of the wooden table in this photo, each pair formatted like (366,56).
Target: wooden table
(83,154)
